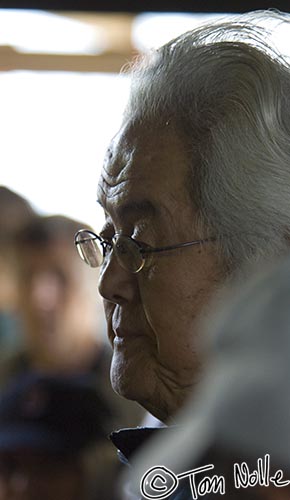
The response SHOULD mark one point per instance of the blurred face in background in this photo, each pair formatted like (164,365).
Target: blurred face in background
(10,335)
(57,301)
(8,282)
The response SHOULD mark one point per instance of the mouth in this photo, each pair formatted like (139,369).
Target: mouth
(118,341)
(122,335)
(130,342)
(124,329)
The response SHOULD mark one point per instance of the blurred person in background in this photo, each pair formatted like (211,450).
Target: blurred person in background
(240,411)
(15,212)
(62,320)
(63,323)
(53,443)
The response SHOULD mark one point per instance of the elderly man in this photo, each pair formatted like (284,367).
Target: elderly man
(194,185)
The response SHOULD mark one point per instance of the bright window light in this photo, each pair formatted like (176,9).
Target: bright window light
(44,32)
(153,30)
(55,128)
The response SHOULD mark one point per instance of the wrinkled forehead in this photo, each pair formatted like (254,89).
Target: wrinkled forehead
(145,142)
(121,150)
(142,160)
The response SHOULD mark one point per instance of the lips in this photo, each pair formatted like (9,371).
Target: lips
(123,332)
(119,332)
(126,325)
(120,325)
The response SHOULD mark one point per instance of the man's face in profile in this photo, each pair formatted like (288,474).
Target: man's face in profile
(153,315)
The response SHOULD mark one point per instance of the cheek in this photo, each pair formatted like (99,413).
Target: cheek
(171,311)
(174,303)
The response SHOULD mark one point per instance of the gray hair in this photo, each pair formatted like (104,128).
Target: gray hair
(228,92)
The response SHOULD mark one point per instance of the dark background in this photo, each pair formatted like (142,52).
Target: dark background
(148,5)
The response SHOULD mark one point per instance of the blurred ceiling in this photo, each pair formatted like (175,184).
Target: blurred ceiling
(111,50)
(84,41)
(90,40)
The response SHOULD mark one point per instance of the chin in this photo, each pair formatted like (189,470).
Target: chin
(135,379)
(132,377)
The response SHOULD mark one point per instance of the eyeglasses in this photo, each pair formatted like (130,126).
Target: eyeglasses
(131,254)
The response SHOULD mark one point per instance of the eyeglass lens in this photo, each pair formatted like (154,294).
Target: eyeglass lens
(128,253)
(125,249)
(89,249)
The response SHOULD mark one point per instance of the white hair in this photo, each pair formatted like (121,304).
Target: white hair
(228,92)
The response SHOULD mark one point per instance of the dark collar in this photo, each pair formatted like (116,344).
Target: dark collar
(128,441)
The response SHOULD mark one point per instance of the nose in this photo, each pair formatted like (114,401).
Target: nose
(116,284)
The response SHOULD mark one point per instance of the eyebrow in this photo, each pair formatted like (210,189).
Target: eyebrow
(140,208)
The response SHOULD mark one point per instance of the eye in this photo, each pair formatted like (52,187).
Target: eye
(122,247)
(140,234)
(140,229)
(140,244)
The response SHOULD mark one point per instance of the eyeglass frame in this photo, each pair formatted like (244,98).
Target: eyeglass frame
(144,248)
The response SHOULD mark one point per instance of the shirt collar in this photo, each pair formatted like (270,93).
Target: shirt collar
(128,441)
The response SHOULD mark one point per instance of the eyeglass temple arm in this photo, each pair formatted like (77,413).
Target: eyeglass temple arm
(173,247)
